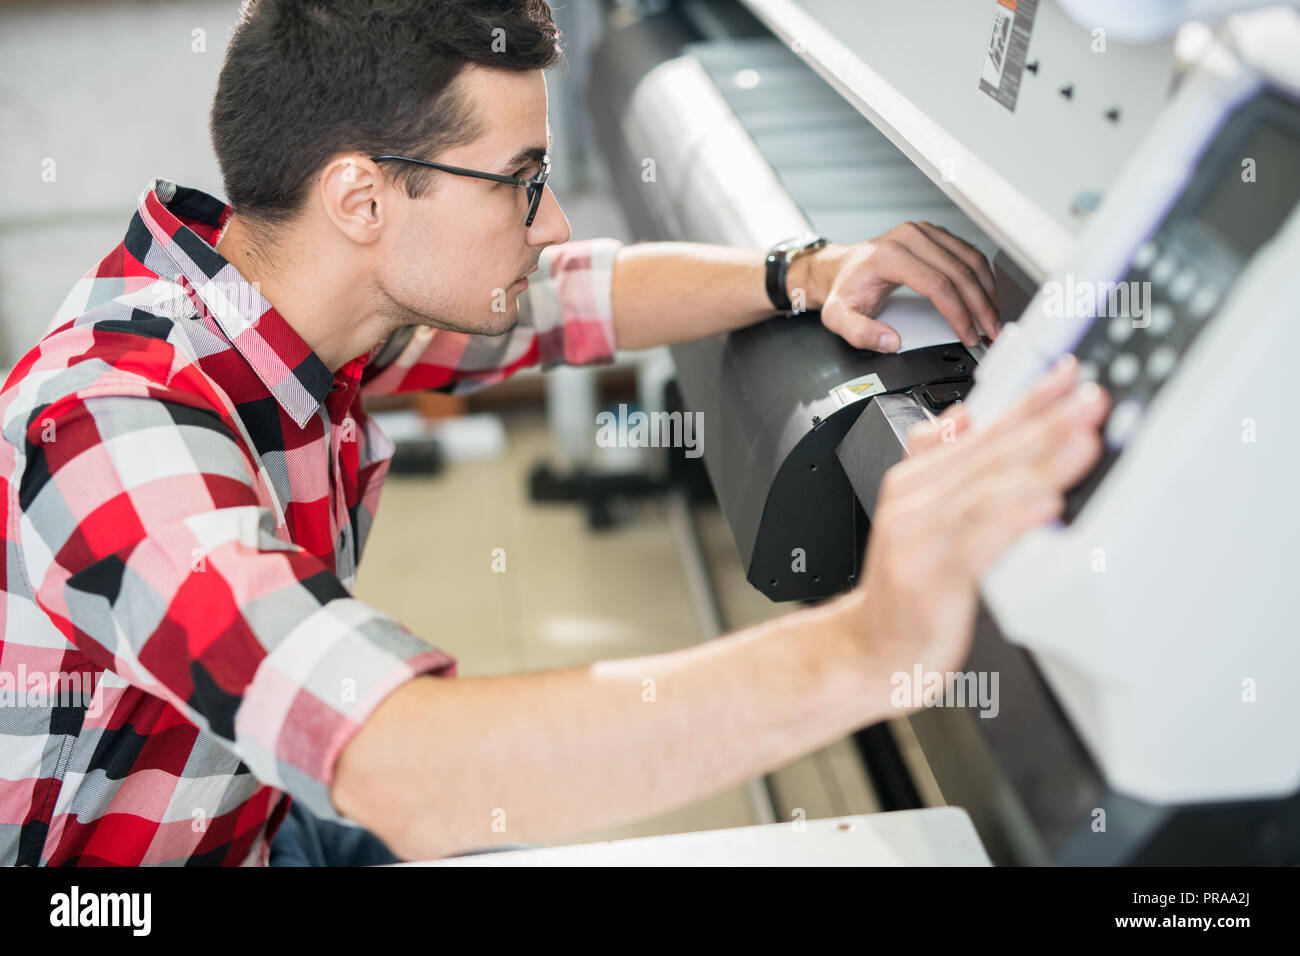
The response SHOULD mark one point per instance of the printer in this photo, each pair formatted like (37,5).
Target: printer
(1134,175)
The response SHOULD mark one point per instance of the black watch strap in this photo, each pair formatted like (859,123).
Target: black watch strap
(779,258)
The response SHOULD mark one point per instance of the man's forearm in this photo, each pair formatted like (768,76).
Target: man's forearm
(446,765)
(665,292)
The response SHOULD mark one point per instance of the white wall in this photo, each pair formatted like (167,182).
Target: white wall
(116,92)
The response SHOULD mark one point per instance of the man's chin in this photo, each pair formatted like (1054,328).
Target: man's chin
(504,329)
(503,322)
(491,323)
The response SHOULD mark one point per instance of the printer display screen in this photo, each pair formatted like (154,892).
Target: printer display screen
(1245,214)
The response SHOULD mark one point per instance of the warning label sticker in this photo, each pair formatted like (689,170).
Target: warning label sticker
(854,390)
(1004,61)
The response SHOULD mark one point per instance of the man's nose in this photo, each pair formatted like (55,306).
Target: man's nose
(550,226)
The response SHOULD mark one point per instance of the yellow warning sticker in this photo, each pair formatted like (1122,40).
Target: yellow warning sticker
(856,389)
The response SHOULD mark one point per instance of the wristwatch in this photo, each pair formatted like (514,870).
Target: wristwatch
(779,258)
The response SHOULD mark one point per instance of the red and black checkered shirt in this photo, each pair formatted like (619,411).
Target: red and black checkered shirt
(187,492)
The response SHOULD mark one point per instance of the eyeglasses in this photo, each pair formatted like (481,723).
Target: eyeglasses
(534,186)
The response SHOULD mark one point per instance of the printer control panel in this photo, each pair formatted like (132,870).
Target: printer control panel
(1238,196)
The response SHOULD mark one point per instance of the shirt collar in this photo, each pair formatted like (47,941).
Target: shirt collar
(184,223)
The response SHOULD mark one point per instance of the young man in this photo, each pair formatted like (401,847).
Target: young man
(190,477)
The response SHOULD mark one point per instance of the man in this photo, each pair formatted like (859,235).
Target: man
(191,478)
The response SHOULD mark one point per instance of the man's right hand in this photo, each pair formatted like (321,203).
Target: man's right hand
(440,763)
(947,513)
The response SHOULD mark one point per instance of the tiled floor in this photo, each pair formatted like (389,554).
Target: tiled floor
(568,597)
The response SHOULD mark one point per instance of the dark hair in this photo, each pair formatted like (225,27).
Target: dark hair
(305,80)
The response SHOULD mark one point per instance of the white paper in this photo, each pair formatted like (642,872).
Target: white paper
(918,323)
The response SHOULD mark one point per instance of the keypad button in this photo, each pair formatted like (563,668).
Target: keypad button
(1160,319)
(1120,328)
(1184,285)
(1164,270)
(1125,415)
(1161,361)
(1088,371)
(1203,302)
(1124,369)
(1145,255)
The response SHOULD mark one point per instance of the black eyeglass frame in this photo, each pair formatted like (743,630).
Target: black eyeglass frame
(533,187)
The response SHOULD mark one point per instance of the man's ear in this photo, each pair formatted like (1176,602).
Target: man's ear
(353,194)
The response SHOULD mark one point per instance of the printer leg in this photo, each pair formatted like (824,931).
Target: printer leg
(889,775)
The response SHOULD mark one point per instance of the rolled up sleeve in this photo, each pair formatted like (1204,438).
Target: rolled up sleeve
(572,312)
(565,317)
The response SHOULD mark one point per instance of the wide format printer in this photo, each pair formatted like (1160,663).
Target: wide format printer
(1134,174)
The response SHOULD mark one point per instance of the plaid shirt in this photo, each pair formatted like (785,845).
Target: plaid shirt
(188,490)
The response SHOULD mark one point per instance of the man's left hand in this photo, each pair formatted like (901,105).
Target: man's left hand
(853,282)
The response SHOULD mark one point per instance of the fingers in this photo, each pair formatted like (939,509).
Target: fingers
(1001,509)
(898,263)
(1055,452)
(952,424)
(1060,380)
(1051,416)
(860,331)
(973,258)
(1009,497)
(950,511)
(927,258)
(1007,501)
(967,253)
(949,255)
(1061,435)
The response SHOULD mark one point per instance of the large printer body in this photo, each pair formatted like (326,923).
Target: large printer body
(1142,644)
